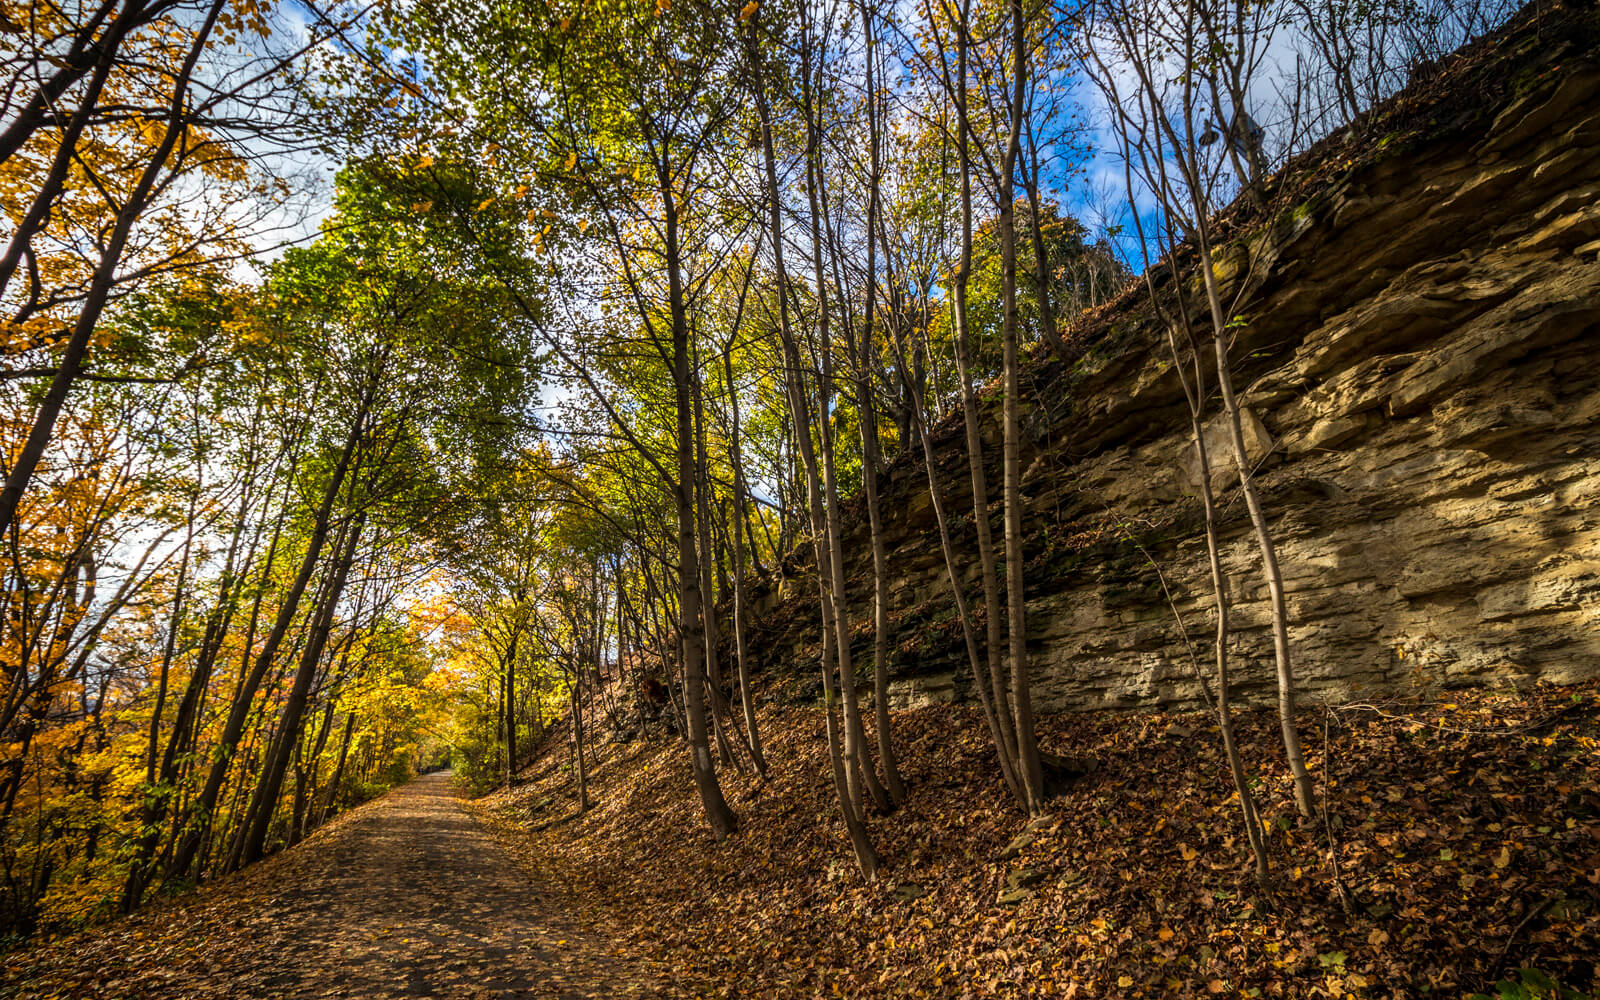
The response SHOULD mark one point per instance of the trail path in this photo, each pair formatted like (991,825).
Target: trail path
(405,897)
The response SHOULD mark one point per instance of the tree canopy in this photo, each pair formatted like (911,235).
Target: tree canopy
(605,317)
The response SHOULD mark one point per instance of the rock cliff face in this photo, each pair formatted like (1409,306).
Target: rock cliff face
(1423,379)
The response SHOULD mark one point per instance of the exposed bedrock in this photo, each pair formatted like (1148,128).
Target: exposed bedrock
(1423,377)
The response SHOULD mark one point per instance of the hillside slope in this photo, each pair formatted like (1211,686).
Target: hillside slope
(1423,383)
(1425,392)
(1136,885)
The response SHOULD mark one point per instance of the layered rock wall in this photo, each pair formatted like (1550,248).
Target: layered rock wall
(1422,366)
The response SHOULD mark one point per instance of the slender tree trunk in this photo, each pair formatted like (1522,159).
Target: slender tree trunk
(239,711)
(332,797)
(1021,698)
(974,437)
(500,715)
(746,695)
(690,622)
(1194,389)
(713,628)
(953,574)
(860,772)
(1041,257)
(579,768)
(1304,790)
(297,812)
(157,794)
(177,764)
(869,447)
(510,685)
(1230,747)
(840,762)
(289,724)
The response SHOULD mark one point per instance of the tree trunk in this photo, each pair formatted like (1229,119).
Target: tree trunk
(963,613)
(100,284)
(266,797)
(799,412)
(1304,790)
(1195,393)
(869,449)
(510,685)
(861,775)
(746,695)
(1041,258)
(239,711)
(690,622)
(995,680)
(580,771)
(332,796)
(1021,698)
(713,629)
(157,794)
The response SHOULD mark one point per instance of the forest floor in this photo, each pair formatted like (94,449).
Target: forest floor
(404,897)
(1467,833)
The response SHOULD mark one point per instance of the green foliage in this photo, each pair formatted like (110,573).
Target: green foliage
(1530,984)
(1082,272)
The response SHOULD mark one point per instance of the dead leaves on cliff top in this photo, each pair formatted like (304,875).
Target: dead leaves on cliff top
(1468,834)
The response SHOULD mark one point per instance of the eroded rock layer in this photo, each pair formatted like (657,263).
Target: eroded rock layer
(1419,346)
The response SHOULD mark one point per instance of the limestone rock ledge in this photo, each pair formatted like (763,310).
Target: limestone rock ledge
(1423,373)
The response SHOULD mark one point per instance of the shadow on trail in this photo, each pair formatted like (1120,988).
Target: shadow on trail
(402,899)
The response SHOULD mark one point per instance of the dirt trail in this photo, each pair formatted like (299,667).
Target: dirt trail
(405,897)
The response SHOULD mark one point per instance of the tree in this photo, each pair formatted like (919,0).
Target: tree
(1162,129)
(158,124)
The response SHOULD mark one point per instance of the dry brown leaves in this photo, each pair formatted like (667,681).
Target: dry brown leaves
(1468,834)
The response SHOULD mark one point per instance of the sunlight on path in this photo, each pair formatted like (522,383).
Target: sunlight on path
(405,898)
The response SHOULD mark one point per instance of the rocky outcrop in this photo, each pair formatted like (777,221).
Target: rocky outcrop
(1423,379)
